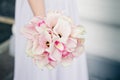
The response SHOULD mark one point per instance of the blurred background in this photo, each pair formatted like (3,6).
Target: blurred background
(101,19)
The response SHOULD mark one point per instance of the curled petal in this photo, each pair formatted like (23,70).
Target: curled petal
(30,28)
(65,53)
(29,31)
(79,50)
(78,32)
(52,18)
(37,48)
(57,55)
(62,29)
(45,40)
(71,44)
(67,60)
(60,46)
(52,63)
(41,60)
(41,27)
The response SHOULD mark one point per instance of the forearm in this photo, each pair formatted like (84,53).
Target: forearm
(38,7)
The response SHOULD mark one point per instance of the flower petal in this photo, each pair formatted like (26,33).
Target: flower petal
(62,29)
(71,44)
(42,27)
(51,65)
(52,62)
(79,50)
(78,32)
(41,60)
(29,31)
(45,40)
(67,60)
(52,18)
(60,46)
(57,55)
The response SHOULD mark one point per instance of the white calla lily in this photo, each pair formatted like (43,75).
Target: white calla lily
(71,44)
(78,32)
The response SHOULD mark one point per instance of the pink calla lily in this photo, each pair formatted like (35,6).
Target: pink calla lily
(45,60)
(57,55)
(40,43)
(52,63)
(41,27)
(60,46)
(79,50)
(66,60)
(41,60)
(62,29)
(52,18)
(29,31)
(45,40)
(71,44)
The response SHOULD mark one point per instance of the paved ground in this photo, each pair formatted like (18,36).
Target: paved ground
(103,69)
(6,66)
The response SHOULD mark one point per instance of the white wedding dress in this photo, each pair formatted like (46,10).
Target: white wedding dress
(25,69)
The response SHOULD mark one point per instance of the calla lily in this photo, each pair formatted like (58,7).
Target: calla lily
(29,31)
(62,29)
(45,40)
(41,60)
(41,27)
(33,28)
(66,60)
(52,18)
(52,63)
(65,53)
(71,44)
(57,55)
(36,48)
(41,42)
(78,51)
(45,60)
(60,46)
(78,32)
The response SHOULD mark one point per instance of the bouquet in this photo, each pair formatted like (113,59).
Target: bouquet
(53,40)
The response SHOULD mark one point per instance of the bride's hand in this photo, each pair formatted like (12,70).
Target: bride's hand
(38,7)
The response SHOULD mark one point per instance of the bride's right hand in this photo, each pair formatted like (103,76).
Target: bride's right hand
(38,7)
